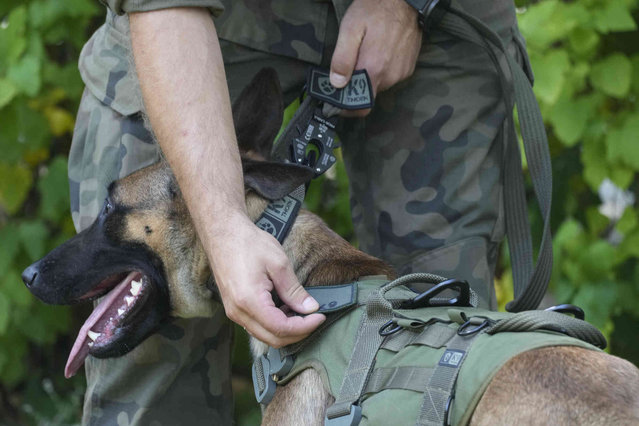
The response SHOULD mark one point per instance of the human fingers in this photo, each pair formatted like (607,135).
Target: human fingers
(288,288)
(351,33)
(271,326)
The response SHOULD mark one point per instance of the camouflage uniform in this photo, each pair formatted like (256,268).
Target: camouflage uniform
(425,169)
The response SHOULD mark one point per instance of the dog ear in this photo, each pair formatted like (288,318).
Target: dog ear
(274,180)
(258,113)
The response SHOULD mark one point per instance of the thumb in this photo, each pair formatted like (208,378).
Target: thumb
(291,292)
(345,54)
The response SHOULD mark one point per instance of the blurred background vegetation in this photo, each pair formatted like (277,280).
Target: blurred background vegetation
(585,55)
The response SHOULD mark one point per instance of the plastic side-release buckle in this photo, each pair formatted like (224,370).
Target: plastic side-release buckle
(263,384)
(279,366)
(265,371)
(351,419)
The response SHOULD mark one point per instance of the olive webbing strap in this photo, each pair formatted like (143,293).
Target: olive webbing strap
(530,282)
(433,335)
(439,390)
(407,378)
(367,342)
(554,321)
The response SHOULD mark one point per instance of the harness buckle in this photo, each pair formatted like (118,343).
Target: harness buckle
(351,419)
(278,366)
(426,299)
(261,377)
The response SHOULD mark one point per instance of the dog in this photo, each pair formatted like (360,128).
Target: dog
(143,257)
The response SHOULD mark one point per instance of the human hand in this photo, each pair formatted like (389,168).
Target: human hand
(248,264)
(381,36)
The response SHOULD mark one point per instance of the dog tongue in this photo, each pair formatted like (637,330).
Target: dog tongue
(80,348)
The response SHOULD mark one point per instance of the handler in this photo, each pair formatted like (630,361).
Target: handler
(425,165)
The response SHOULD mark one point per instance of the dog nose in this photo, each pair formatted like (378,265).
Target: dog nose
(29,275)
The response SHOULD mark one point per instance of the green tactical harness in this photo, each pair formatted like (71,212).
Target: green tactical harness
(388,355)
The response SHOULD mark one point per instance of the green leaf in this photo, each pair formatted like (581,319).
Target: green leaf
(550,73)
(568,235)
(612,75)
(15,290)
(621,144)
(9,239)
(7,91)
(44,13)
(597,222)
(629,247)
(12,39)
(66,77)
(15,182)
(635,73)
(546,22)
(621,175)
(54,191)
(583,41)
(614,16)
(15,347)
(569,118)
(628,221)
(32,237)
(23,129)
(5,311)
(26,75)
(595,170)
(598,301)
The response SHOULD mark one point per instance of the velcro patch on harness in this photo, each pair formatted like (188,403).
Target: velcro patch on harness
(358,93)
(335,297)
(452,358)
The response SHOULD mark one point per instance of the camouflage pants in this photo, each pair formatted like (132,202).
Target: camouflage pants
(425,171)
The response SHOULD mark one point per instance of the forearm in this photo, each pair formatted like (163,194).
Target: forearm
(181,73)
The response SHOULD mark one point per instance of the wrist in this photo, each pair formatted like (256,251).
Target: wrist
(429,12)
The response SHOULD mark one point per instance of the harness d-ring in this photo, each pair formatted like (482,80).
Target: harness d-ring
(385,331)
(462,330)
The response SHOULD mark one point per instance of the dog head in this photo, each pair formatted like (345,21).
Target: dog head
(142,256)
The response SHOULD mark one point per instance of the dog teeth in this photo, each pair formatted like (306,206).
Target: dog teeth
(121,311)
(93,335)
(90,344)
(135,287)
(129,300)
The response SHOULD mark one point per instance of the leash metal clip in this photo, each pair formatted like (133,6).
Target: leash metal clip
(314,147)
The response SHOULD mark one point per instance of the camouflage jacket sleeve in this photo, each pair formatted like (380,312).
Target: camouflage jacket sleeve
(125,6)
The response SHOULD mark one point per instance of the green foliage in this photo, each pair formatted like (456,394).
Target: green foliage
(587,83)
(40,90)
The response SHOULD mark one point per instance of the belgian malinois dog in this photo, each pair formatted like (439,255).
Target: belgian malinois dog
(143,257)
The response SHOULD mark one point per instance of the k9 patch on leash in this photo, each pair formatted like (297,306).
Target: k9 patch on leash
(358,93)
(278,217)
